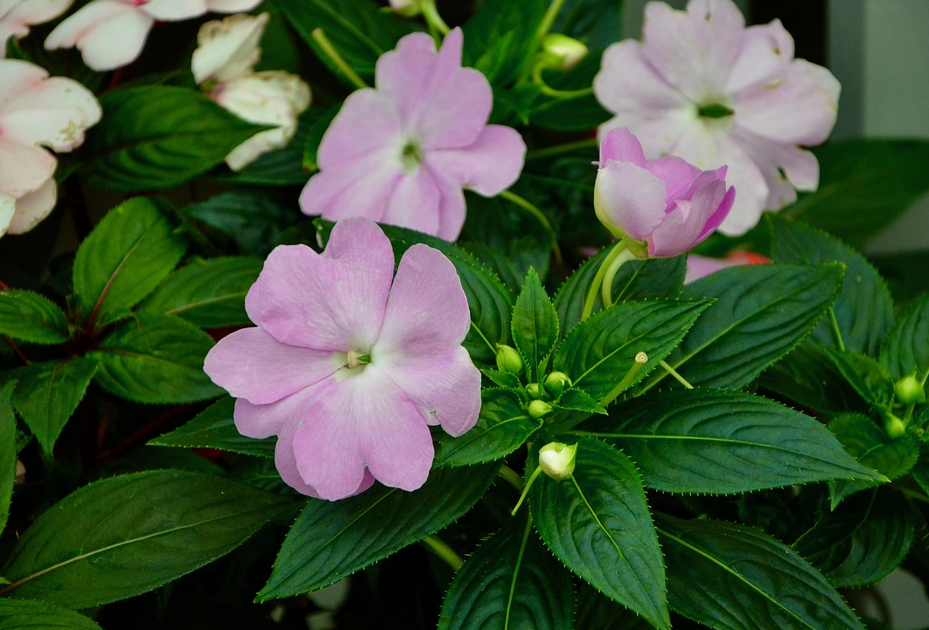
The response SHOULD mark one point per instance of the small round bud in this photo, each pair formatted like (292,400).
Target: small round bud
(539,409)
(557,460)
(556,382)
(562,52)
(910,391)
(406,8)
(508,359)
(534,390)
(894,426)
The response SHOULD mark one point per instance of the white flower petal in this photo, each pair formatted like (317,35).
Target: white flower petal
(33,207)
(228,49)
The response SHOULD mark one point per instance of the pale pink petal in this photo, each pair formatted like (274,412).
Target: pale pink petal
(52,113)
(334,301)
(109,33)
(629,200)
(626,82)
(23,169)
(235,361)
(16,16)
(173,10)
(452,209)
(33,207)
(677,174)
(414,203)
(18,77)
(368,121)
(691,221)
(488,166)
(766,51)
(701,266)
(622,146)
(263,421)
(231,6)
(227,49)
(7,211)
(786,169)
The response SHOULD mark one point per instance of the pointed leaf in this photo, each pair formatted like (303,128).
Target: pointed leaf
(535,324)
(129,252)
(726,442)
(730,577)
(809,377)
(214,428)
(7,452)
(155,359)
(502,427)
(251,220)
(761,313)
(129,534)
(576,399)
(32,317)
(906,349)
(331,540)
(27,614)
(869,378)
(501,37)
(598,524)
(48,393)
(511,581)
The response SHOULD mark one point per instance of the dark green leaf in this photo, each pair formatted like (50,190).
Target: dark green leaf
(863,309)
(207,293)
(862,540)
(331,540)
(598,524)
(868,377)
(723,442)
(129,252)
(501,38)
(155,359)
(731,577)
(502,427)
(252,221)
(315,136)
(601,350)
(48,393)
(7,451)
(594,22)
(863,186)
(534,325)
(578,400)
(809,377)
(357,29)
(214,428)
(32,615)
(906,349)
(761,313)
(507,380)
(872,447)
(157,136)
(32,317)
(129,534)
(511,581)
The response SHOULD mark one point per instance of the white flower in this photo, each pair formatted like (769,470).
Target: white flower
(16,16)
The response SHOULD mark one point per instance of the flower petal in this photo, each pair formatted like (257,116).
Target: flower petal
(33,207)
(7,211)
(627,82)
(173,10)
(692,220)
(452,209)
(334,301)
(488,166)
(414,202)
(629,200)
(227,49)
(767,50)
(23,168)
(17,15)
(231,6)
(367,121)
(18,77)
(109,33)
(53,113)
(251,364)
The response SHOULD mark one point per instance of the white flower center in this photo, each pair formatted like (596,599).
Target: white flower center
(411,156)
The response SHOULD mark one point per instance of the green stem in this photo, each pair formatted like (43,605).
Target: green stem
(433,19)
(519,563)
(617,251)
(606,289)
(535,474)
(640,360)
(548,90)
(329,50)
(834,322)
(441,549)
(558,149)
(670,370)
(549,19)
(511,477)
(538,214)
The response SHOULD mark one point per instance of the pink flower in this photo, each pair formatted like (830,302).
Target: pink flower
(349,365)
(16,16)
(37,112)
(702,86)
(401,153)
(111,33)
(668,203)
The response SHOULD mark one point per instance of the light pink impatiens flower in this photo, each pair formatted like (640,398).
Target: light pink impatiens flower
(401,153)
(16,16)
(703,87)
(349,365)
(111,33)
(37,113)
(669,204)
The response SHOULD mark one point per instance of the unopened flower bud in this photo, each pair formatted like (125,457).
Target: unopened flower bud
(894,426)
(562,52)
(557,460)
(508,359)
(910,391)
(556,382)
(534,390)
(406,8)
(539,409)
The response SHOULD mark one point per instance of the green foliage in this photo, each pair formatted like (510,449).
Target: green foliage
(534,325)
(31,317)
(501,38)
(41,616)
(7,451)
(214,428)
(906,349)
(502,427)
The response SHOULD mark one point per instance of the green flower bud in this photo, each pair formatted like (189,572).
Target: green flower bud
(539,408)
(561,52)
(894,426)
(556,382)
(534,390)
(910,391)
(557,460)
(407,8)
(508,359)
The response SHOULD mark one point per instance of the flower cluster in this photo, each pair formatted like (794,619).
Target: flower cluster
(16,16)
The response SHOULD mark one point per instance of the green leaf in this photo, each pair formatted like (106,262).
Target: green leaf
(155,359)
(863,309)
(157,136)
(7,451)
(27,614)
(864,185)
(511,581)
(501,38)
(32,317)
(809,377)
(601,350)
(207,293)
(48,393)
(868,377)
(576,399)
(534,325)
(598,524)
(761,313)
(872,447)
(725,442)
(861,541)
(331,540)
(125,257)
(129,534)
(507,380)
(594,22)
(730,577)
(357,29)
(906,349)
(502,427)
(214,428)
